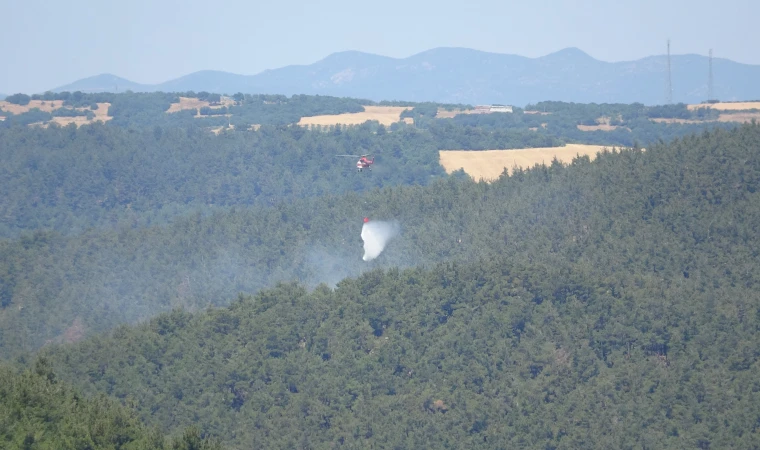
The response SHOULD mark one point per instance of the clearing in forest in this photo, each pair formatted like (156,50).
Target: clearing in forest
(386,115)
(42,105)
(602,124)
(101,114)
(740,117)
(443,114)
(727,106)
(194,103)
(731,117)
(489,164)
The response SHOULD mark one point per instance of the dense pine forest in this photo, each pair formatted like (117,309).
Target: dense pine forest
(166,287)
(147,166)
(38,411)
(70,179)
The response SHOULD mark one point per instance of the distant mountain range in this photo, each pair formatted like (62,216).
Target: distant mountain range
(460,75)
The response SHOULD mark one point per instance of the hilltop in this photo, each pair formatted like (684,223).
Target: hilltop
(105,82)
(461,75)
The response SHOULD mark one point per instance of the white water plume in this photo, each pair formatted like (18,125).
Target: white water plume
(376,235)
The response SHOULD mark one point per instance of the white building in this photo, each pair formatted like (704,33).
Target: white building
(487,109)
(501,108)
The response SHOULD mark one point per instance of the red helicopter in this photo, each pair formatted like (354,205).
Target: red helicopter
(364,162)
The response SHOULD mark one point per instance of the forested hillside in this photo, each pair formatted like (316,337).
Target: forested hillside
(609,304)
(148,110)
(138,110)
(624,124)
(124,173)
(39,411)
(70,179)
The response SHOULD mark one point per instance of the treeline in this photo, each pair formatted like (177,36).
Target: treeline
(37,410)
(70,179)
(561,124)
(77,97)
(150,109)
(130,109)
(607,304)
(280,110)
(492,355)
(619,113)
(73,99)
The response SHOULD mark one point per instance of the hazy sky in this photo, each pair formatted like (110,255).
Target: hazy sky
(46,44)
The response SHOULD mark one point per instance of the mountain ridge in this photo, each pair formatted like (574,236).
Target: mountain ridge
(464,75)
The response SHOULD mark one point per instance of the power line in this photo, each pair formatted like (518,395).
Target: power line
(669,87)
(710,93)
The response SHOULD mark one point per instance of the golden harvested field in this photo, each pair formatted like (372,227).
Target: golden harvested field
(602,124)
(63,121)
(729,117)
(43,105)
(101,114)
(728,106)
(739,117)
(489,164)
(194,103)
(386,115)
(443,114)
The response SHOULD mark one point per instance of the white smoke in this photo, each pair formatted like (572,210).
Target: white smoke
(376,235)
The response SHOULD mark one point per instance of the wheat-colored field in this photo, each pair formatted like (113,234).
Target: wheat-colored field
(443,114)
(42,105)
(64,121)
(728,117)
(602,124)
(740,117)
(194,103)
(489,164)
(101,114)
(727,106)
(386,115)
